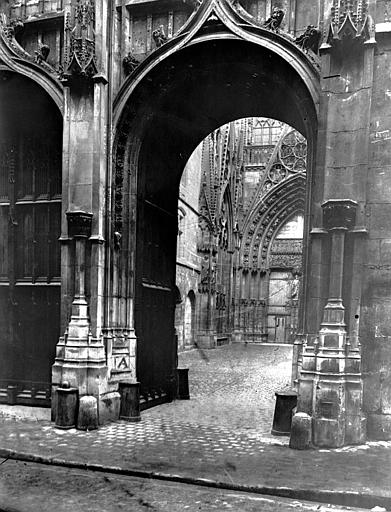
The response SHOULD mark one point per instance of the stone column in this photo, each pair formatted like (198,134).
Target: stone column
(80,354)
(79,228)
(80,359)
(330,387)
(330,380)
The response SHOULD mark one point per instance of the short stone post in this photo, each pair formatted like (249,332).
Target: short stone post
(130,401)
(88,413)
(12,391)
(301,431)
(66,406)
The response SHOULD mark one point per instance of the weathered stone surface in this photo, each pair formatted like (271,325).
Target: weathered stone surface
(109,407)
(88,413)
(379,426)
(371,392)
(380,226)
(385,391)
(356,429)
(301,431)
(328,433)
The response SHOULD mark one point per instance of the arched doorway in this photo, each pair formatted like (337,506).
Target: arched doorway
(284,281)
(30,218)
(176,103)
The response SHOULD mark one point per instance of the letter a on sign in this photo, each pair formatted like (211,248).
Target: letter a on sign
(123,364)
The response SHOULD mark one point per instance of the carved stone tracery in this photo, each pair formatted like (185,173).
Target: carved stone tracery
(79,45)
(350,19)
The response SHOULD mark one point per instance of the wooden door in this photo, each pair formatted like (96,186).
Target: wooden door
(30,213)
(279,306)
(155,301)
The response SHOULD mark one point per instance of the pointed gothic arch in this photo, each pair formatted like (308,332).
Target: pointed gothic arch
(218,68)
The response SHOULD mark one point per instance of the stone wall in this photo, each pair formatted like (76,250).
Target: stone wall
(188,264)
(375,323)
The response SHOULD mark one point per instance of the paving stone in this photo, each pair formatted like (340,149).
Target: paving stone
(222,433)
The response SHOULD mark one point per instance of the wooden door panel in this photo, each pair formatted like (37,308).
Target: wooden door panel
(155,301)
(30,215)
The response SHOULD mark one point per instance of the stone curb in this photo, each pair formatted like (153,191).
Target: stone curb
(348,498)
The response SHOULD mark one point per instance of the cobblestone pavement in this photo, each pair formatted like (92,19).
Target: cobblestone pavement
(232,386)
(221,434)
(33,487)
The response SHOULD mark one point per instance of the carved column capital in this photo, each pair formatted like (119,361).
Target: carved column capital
(339,214)
(79,224)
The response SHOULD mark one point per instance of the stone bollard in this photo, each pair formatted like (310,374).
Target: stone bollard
(183,384)
(12,391)
(301,431)
(130,401)
(88,413)
(66,406)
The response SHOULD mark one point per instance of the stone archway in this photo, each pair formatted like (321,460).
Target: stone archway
(171,106)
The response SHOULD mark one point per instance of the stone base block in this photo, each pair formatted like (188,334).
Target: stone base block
(379,427)
(301,431)
(109,406)
(88,413)
(328,433)
(356,429)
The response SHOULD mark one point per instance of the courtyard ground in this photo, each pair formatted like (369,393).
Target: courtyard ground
(219,438)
